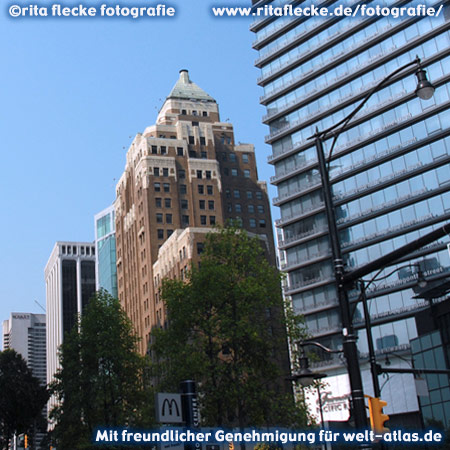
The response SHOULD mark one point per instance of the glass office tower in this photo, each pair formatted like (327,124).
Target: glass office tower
(105,242)
(390,171)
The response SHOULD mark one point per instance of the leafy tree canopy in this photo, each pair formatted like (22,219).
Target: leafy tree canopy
(22,398)
(101,380)
(227,331)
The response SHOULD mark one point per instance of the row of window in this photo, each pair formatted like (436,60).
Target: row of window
(250,208)
(237,194)
(72,250)
(234,172)
(233,157)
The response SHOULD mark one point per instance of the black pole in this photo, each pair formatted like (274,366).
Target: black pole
(372,357)
(189,406)
(348,334)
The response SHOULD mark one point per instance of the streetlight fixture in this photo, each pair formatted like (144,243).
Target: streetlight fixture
(424,90)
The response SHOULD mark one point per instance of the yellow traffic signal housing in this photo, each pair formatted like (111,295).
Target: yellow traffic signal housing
(25,441)
(377,417)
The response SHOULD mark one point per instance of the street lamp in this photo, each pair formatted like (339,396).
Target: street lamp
(424,90)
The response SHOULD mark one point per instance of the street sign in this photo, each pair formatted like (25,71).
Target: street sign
(168,408)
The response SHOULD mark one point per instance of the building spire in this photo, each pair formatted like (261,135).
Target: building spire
(187,90)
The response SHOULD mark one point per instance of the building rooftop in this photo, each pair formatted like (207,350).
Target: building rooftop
(186,89)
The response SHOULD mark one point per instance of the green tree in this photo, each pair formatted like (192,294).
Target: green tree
(101,380)
(22,398)
(227,331)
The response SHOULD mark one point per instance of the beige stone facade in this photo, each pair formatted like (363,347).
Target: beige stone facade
(183,175)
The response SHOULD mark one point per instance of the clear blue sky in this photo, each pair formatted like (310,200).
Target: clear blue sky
(73,93)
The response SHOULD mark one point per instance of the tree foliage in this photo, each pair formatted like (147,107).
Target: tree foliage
(101,380)
(22,398)
(227,331)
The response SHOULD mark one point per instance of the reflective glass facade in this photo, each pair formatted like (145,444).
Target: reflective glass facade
(390,169)
(105,239)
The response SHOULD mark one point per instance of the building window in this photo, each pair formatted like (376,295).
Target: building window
(200,248)
(168,203)
(169,218)
(163,150)
(159,218)
(245,158)
(239,220)
(212,220)
(262,223)
(208,174)
(201,204)
(237,193)
(260,209)
(156,171)
(252,223)
(238,207)
(249,195)
(204,114)
(229,207)
(227,193)
(185,220)
(251,209)
(259,195)
(192,154)
(199,174)
(166,187)
(246,173)
(184,204)
(169,233)
(181,174)
(201,189)
(232,157)
(183,189)
(157,187)
(202,220)
(204,155)
(154,149)
(202,141)
(158,202)
(226,171)
(160,234)
(224,156)
(165,172)
(180,151)
(234,172)
(184,112)
(191,140)
(210,189)
(194,113)
(211,204)
(195,124)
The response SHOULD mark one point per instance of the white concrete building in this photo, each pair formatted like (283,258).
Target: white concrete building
(70,283)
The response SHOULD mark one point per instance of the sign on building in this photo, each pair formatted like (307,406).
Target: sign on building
(168,408)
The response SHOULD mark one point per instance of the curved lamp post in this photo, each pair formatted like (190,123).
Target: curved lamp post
(424,90)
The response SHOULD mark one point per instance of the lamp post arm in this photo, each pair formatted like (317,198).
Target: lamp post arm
(319,345)
(389,258)
(323,134)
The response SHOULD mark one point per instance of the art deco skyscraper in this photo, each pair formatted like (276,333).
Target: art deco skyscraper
(183,175)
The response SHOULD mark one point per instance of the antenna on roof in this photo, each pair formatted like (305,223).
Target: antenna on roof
(40,306)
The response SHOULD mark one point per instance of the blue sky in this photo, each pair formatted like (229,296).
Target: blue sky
(73,94)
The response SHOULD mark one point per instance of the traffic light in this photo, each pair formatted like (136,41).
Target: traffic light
(377,418)
(26,441)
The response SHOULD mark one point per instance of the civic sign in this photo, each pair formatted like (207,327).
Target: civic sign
(168,408)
